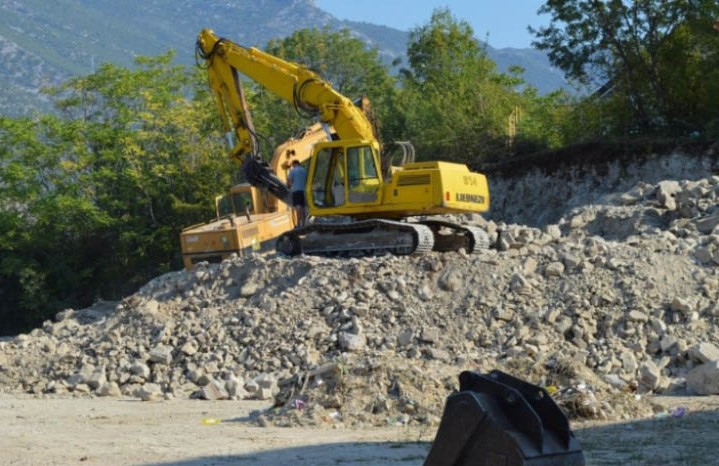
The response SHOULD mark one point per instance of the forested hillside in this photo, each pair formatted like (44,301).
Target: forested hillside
(94,194)
(43,43)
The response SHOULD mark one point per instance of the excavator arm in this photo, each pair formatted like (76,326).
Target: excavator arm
(292,82)
(224,60)
(231,105)
(229,97)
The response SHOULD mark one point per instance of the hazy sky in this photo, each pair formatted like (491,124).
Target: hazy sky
(505,21)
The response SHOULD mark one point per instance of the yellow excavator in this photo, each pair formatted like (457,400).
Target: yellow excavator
(248,219)
(347,178)
(254,212)
(493,419)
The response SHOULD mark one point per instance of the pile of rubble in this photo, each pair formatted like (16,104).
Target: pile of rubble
(611,302)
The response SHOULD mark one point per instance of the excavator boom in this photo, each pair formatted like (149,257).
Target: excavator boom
(289,81)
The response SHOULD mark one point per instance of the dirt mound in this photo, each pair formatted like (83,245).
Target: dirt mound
(613,301)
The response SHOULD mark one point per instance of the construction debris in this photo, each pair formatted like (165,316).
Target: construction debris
(613,301)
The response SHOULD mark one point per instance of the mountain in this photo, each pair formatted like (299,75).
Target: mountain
(44,43)
(537,69)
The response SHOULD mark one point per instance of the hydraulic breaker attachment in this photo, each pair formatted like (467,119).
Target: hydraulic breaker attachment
(259,174)
(498,420)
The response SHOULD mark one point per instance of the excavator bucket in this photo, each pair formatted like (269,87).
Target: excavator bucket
(498,420)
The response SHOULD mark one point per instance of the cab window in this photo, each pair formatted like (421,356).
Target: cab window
(362,178)
(224,206)
(242,202)
(328,179)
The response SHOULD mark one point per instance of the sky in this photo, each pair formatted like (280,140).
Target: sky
(505,21)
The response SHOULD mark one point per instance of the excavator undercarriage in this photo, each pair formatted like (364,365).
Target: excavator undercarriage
(358,238)
(381,236)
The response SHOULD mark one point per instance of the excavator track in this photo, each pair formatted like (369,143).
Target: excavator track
(449,236)
(361,238)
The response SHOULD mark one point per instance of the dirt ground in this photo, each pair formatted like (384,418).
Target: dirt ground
(97,431)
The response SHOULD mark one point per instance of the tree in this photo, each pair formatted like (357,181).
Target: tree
(689,64)
(47,251)
(93,200)
(456,104)
(652,52)
(144,148)
(342,60)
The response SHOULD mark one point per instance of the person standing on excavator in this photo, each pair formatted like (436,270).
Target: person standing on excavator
(297,179)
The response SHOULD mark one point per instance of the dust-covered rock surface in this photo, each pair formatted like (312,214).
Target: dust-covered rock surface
(606,297)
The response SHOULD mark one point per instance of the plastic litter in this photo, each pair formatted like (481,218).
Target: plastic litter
(298,404)
(211,421)
(679,411)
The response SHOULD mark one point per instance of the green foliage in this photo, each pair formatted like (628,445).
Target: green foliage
(546,121)
(444,50)
(456,105)
(658,56)
(689,64)
(342,60)
(93,200)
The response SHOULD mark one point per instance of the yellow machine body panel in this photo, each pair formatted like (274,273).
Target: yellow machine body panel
(431,188)
(346,179)
(235,234)
(243,225)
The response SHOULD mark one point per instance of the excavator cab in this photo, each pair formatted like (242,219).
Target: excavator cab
(344,178)
(363,175)
(234,203)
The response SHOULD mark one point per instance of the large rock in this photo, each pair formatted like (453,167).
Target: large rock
(161,354)
(704,352)
(150,392)
(665,194)
(704,379)
(215,390)
(555,269)
(97,378)
(352,342)
(649,375)
(109,389)
(708,224)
